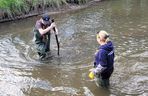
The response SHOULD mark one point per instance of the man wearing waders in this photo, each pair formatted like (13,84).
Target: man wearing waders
(104,59)
(42,31)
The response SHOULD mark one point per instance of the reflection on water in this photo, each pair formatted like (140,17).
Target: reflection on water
(24,75)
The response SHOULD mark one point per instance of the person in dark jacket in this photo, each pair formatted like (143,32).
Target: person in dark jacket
(42,32)
(104,59)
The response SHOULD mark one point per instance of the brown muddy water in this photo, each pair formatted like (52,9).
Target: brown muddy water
(21,74)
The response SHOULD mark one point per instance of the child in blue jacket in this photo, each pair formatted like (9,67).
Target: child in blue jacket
(104,59)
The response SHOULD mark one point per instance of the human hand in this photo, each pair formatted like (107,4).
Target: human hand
(56,31)
(94,71)
(53,25)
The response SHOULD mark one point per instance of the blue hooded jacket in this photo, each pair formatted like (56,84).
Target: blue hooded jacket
(105,56)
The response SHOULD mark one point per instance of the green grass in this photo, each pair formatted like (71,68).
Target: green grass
(12,8)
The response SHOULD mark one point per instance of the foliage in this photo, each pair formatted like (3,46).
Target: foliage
(12,8)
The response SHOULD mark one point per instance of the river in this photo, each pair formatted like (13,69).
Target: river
(22,74)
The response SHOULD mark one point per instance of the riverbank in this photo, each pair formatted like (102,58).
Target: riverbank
(67,6)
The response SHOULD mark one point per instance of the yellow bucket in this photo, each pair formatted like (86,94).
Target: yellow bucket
(91,75)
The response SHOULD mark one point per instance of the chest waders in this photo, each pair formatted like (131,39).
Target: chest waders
(42,42)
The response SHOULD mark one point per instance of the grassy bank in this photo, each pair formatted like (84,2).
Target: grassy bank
(11,9)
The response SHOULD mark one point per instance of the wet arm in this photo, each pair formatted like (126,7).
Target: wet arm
(99,69)
(44,31)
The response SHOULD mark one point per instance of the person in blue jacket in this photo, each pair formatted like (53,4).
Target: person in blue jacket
(104,59)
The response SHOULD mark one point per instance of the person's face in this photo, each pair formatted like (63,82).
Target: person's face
(98,38)
(45,22)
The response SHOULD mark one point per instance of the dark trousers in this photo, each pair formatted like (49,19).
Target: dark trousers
(103,78)
(44,47)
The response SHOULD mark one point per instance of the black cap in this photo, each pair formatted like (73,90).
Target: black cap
(46,17)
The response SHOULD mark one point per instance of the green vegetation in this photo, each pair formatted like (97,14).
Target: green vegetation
(13,8)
